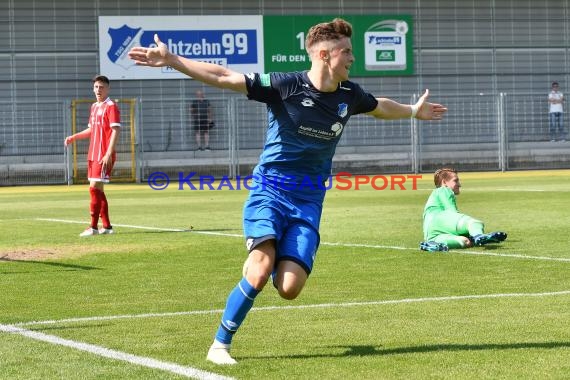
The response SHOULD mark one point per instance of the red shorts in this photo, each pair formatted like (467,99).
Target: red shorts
(95,172)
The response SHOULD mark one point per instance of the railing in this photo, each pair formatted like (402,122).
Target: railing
(480,132)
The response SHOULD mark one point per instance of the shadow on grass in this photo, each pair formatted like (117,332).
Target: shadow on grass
(145,231)
(49,263)
(492,247)
(365,350)
(65,327)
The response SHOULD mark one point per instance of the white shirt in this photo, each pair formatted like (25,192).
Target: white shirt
(555,95)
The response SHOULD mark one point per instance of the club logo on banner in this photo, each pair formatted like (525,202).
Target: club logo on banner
(122,39)
(202,38)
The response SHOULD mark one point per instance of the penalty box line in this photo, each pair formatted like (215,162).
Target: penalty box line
(330,244)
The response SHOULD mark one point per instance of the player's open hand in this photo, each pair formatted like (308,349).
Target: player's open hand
(105,162)
(155,57)
(429,111)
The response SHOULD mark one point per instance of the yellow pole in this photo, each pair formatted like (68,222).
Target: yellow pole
(132,116)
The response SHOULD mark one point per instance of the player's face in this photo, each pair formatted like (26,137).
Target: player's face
(101,91)
(453,183)
(341,58)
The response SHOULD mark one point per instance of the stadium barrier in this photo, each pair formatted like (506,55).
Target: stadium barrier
(497,132)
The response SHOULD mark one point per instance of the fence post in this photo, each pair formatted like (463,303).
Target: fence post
(67,132)
(233,138)
(137,130)
(415,140)
(501,123)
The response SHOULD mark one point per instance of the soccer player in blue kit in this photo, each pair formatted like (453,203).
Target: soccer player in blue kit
(307,113)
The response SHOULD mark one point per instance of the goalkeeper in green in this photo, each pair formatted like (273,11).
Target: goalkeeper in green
(444,227)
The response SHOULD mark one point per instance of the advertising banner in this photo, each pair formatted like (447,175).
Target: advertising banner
(237,44)
(382,44)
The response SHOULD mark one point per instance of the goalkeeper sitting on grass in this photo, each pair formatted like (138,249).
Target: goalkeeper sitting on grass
(444,226)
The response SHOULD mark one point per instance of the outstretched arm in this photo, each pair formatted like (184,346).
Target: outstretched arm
(85,134)
(390,109)
(209,73)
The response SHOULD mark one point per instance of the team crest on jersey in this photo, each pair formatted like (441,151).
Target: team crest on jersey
(342,109)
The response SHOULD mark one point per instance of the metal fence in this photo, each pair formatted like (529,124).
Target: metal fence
(31,143)
(480,132)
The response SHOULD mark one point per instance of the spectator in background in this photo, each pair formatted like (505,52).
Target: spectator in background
(103,132)
(201,111)
(556,120)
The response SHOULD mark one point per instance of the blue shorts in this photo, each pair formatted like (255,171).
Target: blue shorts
(293,223)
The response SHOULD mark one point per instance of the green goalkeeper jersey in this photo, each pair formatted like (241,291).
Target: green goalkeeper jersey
(440,214)
(443,223)
(441,199)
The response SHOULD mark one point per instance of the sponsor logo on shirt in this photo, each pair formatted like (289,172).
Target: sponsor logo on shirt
(320,133)
(337,128)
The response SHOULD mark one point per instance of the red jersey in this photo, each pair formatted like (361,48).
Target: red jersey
(103,117)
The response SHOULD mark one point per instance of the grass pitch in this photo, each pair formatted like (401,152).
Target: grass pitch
(145,303)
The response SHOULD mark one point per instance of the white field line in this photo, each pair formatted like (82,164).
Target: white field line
(116,355)
(199,374)
(295,307)
(351,245)
(516,256)
(142,227)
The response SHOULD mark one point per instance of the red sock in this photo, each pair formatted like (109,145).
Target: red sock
(105,211)
(95,206)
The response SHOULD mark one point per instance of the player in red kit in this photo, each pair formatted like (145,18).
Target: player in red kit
(103,131)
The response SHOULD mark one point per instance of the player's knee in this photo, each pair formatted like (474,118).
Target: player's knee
(289,292)
(289,287)
(257,278)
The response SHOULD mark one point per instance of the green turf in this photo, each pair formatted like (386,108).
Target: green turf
(375,307)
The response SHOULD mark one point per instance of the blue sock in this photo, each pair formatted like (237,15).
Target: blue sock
(238,305)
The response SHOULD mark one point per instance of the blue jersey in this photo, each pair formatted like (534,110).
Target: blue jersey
(305,126)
